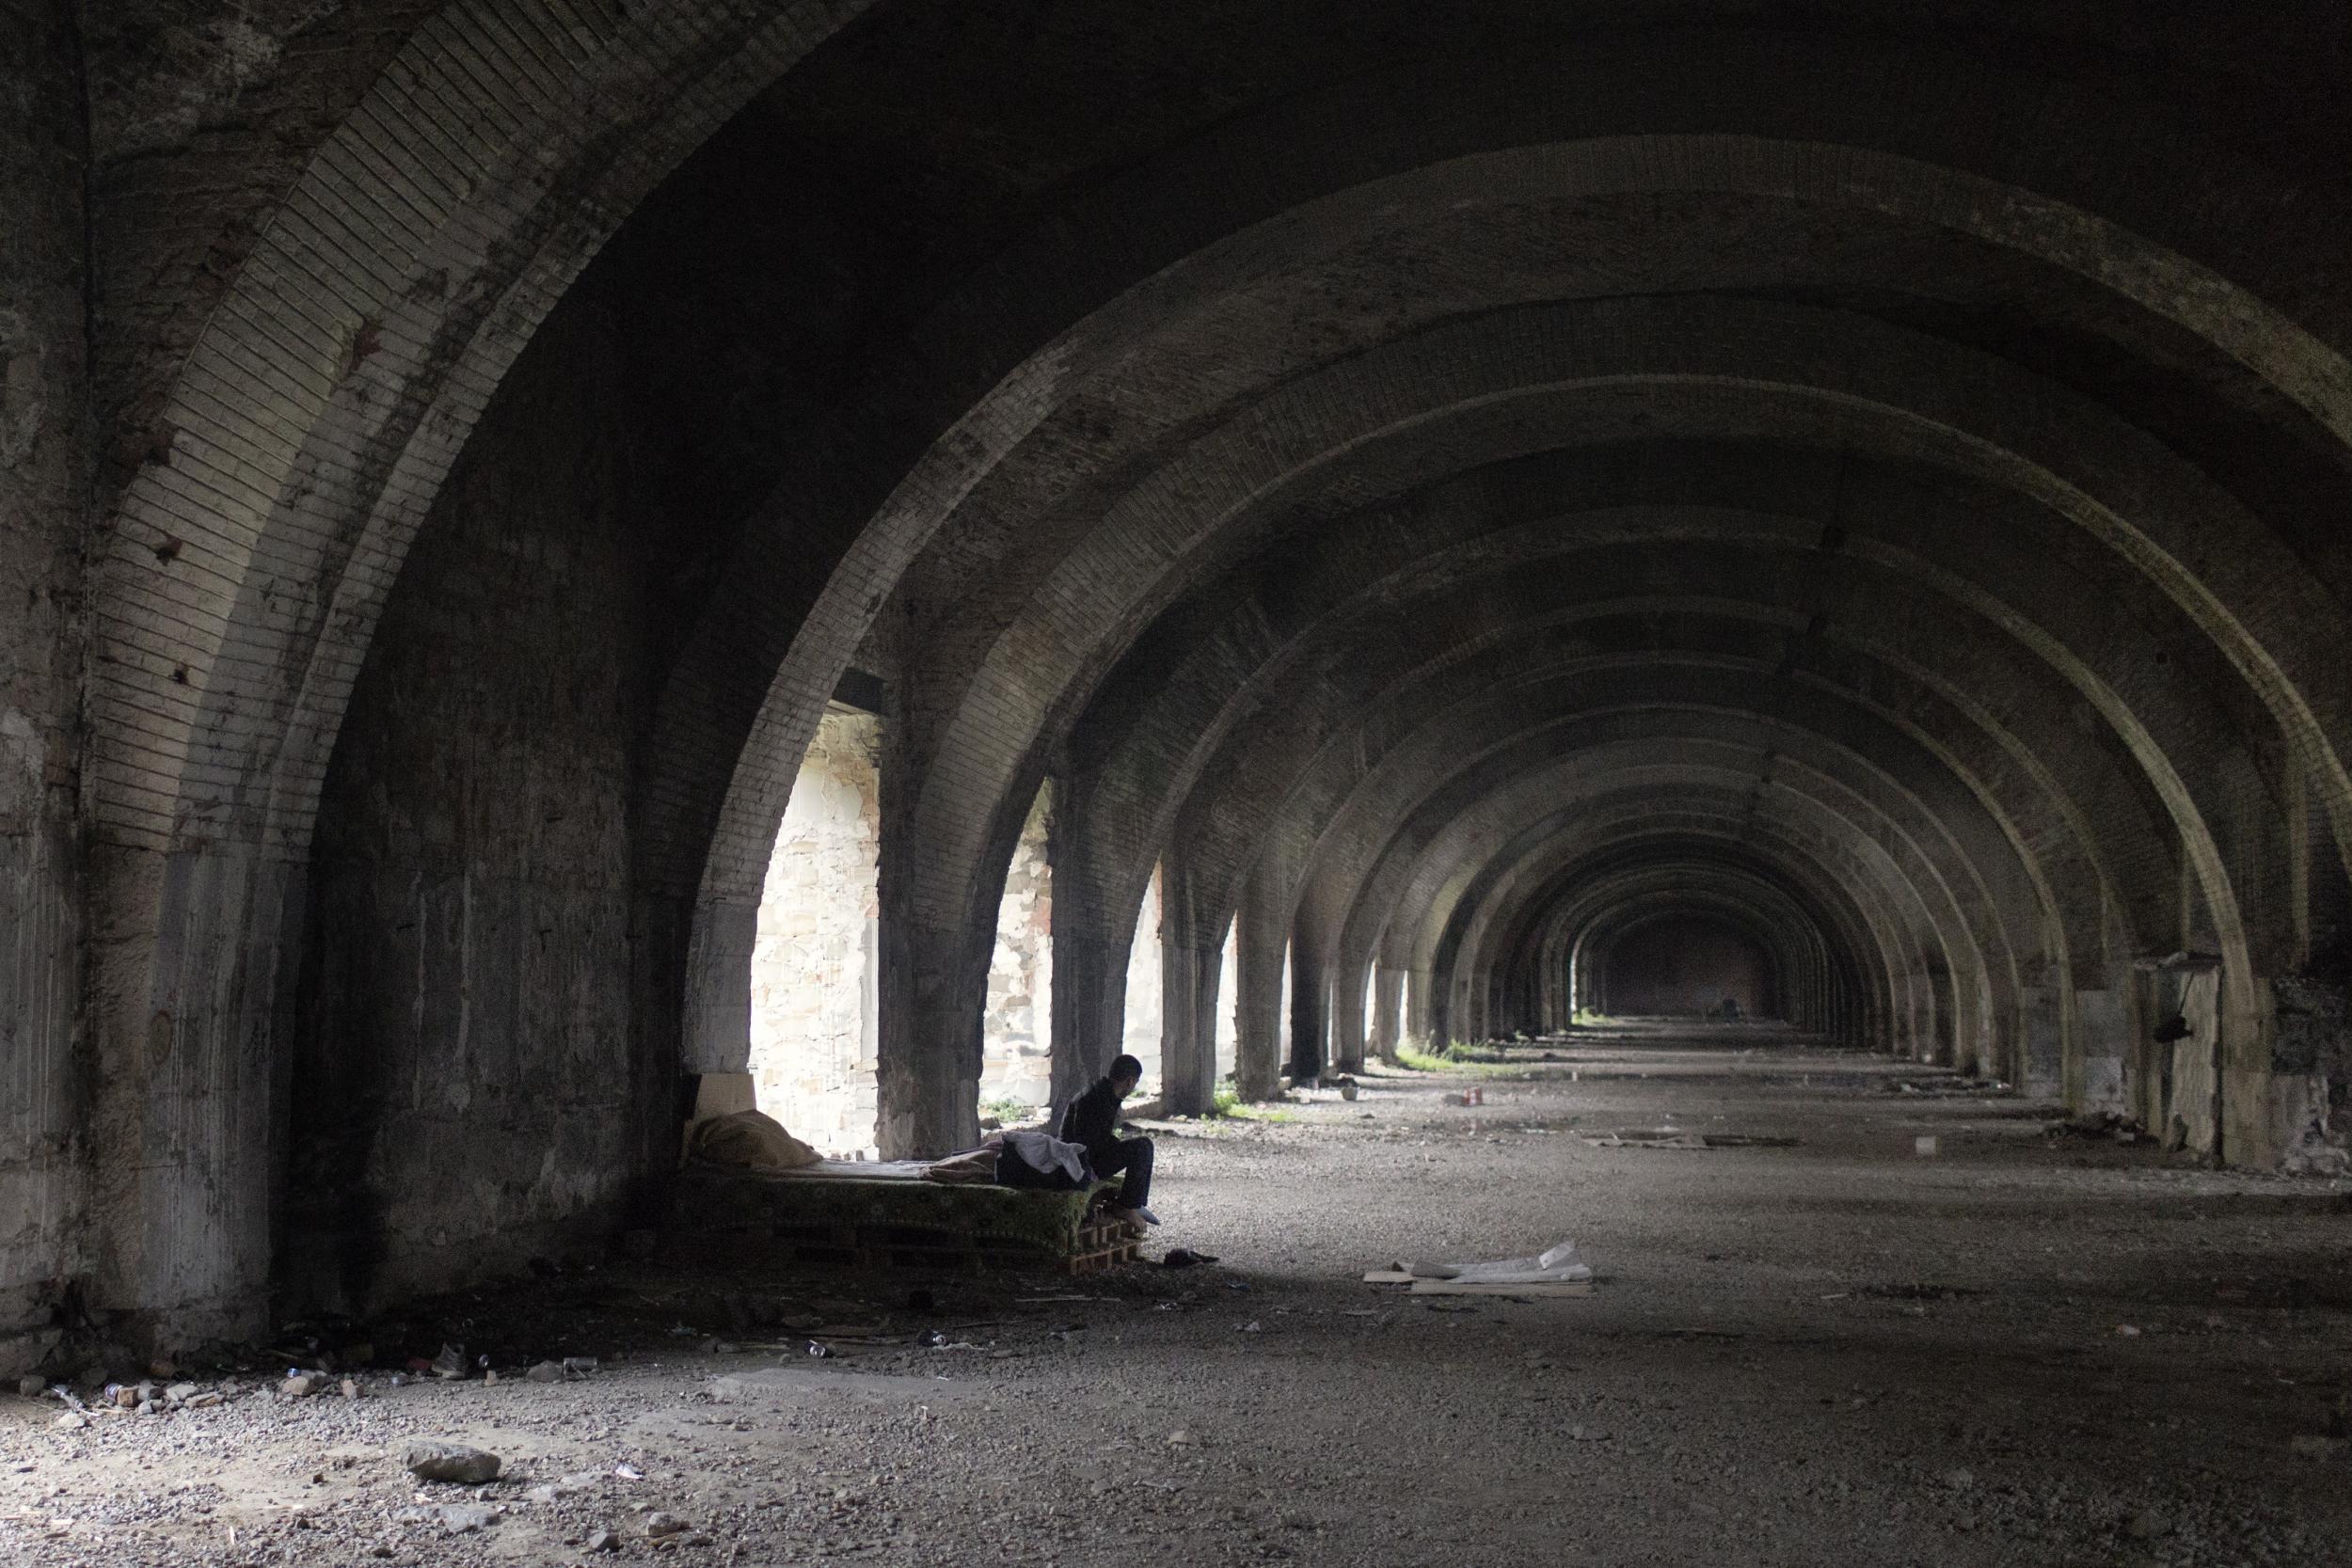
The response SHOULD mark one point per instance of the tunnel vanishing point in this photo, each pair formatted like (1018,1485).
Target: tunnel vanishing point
(1430,496)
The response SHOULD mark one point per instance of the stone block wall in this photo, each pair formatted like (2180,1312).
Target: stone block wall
(1016,1038)
(1228,1000)
(813,965)
(1146,1012)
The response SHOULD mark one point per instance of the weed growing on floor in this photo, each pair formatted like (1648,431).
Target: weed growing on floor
(1458,1058)
(1226,1104)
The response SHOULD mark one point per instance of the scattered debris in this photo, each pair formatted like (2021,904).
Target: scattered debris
(2103,1127)
(458,1518)
(1675,1137)
(1940,1088)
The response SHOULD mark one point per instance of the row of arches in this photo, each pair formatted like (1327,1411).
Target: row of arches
(1431,493)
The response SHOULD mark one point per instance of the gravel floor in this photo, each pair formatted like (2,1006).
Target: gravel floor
(2021,1349)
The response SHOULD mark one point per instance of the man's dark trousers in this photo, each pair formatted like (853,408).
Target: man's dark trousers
(1130,1157)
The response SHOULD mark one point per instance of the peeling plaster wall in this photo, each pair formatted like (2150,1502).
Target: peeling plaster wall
(813,965)
(44,483)
(465,1092)
(2312,1060)
(1016,1036)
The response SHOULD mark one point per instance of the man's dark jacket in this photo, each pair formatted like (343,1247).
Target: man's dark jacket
(1093,1121)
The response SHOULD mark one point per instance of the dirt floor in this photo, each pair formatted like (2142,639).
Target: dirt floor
(2021,1348)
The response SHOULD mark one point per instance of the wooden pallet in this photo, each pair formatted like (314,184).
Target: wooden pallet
(1103,1244)
(749,1222)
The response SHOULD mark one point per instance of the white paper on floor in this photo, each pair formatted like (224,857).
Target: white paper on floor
(1557,1266)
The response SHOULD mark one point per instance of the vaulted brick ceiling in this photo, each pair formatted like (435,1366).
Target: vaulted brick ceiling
(1443,482)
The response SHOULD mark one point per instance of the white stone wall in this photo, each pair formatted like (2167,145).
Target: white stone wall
(1145,989)
(1228,1000)
(813,970)
(1017,1035)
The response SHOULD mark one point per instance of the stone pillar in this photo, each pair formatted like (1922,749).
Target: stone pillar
(2311,1061)
(46,1226)
(2104,1027)
(1264,935)
(927,1057)
(1417,1009)
(1347,1022)
(2045,1056)
(1088,1011)
(1387,1008)
(1311,1013)
(1188,992)
(1017,1031)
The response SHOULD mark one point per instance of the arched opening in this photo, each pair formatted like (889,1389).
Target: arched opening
(1017,1031)
(1146,1010)
(1687,966)
(1610,428)
(1228,1037)
(816,965)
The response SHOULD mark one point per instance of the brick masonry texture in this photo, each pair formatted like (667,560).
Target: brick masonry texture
(1349,513)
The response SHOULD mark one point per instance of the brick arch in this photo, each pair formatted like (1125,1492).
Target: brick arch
(1844,995)
(871,562)
(1471,768)
(312,426)
(1519,680)
(1186,716)
(2002,427)
(1982,961)
(1567,888)
(1229,822)
(1603,701)
(1535,955)
(1467,840)
(1758,944)
(301,444)
(1423,928)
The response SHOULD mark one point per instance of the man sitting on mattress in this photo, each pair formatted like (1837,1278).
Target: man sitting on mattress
(1092,1123)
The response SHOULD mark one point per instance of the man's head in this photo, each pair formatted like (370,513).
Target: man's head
(1126,1072)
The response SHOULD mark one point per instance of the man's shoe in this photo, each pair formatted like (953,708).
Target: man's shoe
(1145,1215)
